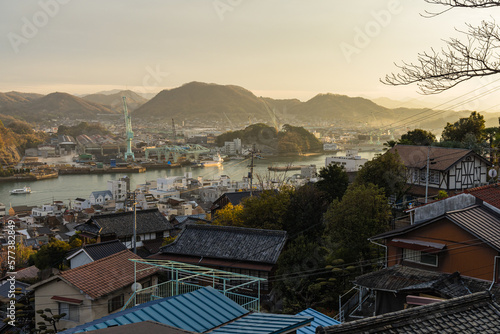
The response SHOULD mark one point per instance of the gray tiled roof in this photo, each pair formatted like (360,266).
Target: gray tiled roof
(232,243)
(104,249)
(407,279)
(475,313)
(121,224)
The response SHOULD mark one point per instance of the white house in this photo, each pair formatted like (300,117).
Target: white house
(450,169)
(100,197)
(45,210)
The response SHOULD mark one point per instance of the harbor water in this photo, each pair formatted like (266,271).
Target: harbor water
(68,187)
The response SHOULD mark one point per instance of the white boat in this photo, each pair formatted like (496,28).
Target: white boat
(216,161)
(25,190)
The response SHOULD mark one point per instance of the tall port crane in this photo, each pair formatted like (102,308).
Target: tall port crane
(130,133)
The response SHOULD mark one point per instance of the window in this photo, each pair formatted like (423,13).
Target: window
(115,303)
(417,256)
(434,177)
(71,311)
(159,235)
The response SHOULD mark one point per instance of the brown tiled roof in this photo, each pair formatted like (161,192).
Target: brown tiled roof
(443,157)
(106,275)
(489,194)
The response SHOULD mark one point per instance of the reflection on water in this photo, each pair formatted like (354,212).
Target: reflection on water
(67,187)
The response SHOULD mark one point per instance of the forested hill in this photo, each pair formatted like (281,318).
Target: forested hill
(290,139)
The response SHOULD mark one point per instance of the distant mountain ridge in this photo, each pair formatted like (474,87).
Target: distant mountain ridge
(115,101)
(54,105)
(230,105)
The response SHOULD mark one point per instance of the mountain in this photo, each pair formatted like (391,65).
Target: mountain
(341,108)
(62,105)
(197,100)
(115,101)
(394,104)
(11,101)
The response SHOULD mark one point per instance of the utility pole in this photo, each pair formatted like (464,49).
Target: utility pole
(250,175)
(427,174)
(134,203)
(429,162)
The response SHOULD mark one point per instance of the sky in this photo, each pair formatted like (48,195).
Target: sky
(274,48)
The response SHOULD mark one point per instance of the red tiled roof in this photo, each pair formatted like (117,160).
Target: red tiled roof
(106,275)
(489,194)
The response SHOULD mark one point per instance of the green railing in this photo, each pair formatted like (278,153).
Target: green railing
(174,288)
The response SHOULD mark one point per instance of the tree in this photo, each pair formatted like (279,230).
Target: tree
(267,209)
(462,129)
(51,254)
(362,213)
(417,137)
(304,215)
(476,55)
(229,215)
(333,181)
(387,171)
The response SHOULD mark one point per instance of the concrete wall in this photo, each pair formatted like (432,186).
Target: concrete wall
(439,208)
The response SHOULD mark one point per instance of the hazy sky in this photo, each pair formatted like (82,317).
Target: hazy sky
(275,48)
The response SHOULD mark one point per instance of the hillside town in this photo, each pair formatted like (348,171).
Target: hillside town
(257,167)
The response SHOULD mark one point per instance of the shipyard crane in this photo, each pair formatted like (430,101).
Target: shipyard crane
(130,133)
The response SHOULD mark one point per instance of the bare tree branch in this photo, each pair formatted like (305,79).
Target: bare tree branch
(476,55)
(460,4)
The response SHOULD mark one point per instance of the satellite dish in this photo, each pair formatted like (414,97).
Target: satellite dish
(136,287)
(492,173)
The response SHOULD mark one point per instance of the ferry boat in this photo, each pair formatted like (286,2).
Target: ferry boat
(216,161)
(25,190)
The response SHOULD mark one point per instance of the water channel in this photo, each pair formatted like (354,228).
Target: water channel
(67,187)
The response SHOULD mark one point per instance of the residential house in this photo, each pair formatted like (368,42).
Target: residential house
(395,288)
(450,169)
(201,311)
(100,197)
(80,204)
(465,239)
(93,290)
(142,327)
(93,252)
(3,210)
(474,313)
(151,225)
(247,251)
(180,222)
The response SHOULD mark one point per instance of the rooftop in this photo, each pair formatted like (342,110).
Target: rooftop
(230,243)
(104,276)
(443,158)
(475,313)
(121,224)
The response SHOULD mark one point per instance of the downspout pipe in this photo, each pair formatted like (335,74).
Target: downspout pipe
(494,271)
(375,243)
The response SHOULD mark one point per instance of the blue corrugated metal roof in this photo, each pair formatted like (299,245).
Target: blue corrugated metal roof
(264,323)
(319,320)
(197,311)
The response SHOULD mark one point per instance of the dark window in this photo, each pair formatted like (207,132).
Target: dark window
(115,303)
(159,235)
